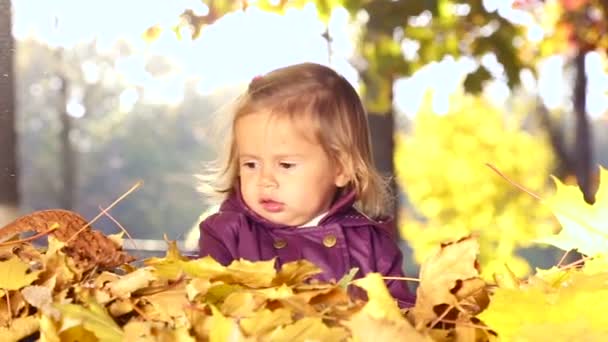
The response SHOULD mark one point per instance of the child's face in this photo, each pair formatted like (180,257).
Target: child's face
(286,176)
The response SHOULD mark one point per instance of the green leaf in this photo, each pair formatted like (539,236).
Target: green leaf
(347,278)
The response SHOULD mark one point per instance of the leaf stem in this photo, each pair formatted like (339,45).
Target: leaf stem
(402,278)
(104,211)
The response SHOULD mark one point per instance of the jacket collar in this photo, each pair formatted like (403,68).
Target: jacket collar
(341,208)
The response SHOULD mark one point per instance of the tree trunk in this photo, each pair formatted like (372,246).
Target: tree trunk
(68,158)
(9,194)
(382,128)
(583,155)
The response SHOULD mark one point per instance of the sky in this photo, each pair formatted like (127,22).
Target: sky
(242,45)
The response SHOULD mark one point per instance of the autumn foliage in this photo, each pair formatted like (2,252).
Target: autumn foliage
(47,293)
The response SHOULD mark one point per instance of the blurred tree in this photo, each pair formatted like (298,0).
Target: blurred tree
(116,136)
(9,194)
(442,162)
(439,27)
(573,28)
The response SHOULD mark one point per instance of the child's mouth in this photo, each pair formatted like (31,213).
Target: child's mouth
(271,206)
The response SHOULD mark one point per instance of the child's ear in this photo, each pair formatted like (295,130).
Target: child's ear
(342,177)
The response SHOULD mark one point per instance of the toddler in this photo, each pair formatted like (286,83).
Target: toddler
(298,181)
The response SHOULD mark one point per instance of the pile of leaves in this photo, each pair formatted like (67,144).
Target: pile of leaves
(57,294)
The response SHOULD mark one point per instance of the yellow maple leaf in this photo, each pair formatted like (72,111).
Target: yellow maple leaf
(223,328)
(252,274)
(241,304)
(169,304)
(584,226)
(380,304)
(15,274)
(296,272)
(264,321)
(48,330)
(140,278)
(366,328)
(93,318)
(173,267)
(308,329)
(20,328)
(440,274)
(548,303)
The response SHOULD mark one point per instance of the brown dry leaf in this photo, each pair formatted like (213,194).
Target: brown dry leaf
(20,328)
(367,328)
(308,329)
(472,295)
(264,321)
(439,275)
(90,249)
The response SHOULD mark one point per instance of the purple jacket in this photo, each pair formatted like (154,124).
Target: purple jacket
(343,239)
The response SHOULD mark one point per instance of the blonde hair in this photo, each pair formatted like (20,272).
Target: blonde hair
(314,92)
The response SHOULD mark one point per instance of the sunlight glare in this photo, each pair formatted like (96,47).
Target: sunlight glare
(75,109)
(551,85)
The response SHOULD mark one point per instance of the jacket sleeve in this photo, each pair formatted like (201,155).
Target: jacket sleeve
(389,263)
(216,240)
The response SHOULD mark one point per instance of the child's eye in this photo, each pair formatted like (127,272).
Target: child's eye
(286,165)
(249,165)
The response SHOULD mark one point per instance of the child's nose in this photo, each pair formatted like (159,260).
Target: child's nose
(267,178)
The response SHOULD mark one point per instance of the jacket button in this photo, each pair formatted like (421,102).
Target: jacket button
(330,241)
(279,243)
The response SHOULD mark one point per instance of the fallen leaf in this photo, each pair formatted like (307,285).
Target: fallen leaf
(296,272)
(308,329)
(584,226)
(380,304)
(252,274)
(570,299)
(169,304)
(440,274)
(197,287)
(129,283)
(16,274)
(41,298)
(48,330)
(264,321)
(242,304)
(223,328)
(20,328)
(367,328)
(95,319)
